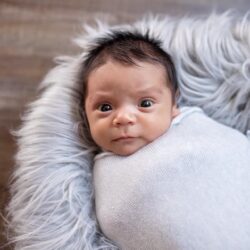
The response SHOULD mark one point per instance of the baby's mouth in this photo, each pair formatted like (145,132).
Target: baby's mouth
(124,138)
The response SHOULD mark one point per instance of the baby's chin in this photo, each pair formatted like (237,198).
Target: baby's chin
(126,150)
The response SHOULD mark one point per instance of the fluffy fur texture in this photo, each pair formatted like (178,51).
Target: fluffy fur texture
(52,194)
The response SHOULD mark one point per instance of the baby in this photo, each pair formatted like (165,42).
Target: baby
(182,170)
(130,93)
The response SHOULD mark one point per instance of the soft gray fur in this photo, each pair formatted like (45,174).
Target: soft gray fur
(52,193)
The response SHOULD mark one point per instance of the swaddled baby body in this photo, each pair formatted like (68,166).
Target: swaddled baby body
(188,189)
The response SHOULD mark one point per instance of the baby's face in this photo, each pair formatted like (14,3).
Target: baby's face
(128,106)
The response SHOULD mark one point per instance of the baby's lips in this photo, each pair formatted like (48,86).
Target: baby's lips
(125,137)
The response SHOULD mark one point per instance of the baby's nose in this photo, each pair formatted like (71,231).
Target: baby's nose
(125,116)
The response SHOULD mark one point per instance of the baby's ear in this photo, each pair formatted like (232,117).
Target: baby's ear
(177,95)
(175,110)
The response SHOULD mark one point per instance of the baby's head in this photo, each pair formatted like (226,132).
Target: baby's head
(129,86)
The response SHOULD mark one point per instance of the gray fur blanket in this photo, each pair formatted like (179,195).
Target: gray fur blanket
(52,204)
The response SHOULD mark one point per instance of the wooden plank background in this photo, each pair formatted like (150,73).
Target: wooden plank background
(32,32)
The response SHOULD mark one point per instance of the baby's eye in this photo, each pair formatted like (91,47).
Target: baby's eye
(146,103)
(105,107)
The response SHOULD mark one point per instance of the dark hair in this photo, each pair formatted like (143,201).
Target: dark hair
(127,48)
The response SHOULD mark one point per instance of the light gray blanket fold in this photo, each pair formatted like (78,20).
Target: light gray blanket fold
(189,189)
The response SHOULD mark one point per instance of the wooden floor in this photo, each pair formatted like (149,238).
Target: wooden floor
(35,31)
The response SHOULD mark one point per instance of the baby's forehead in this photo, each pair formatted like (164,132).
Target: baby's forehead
(135,63)
(111,66)
(117,78)
(114,78)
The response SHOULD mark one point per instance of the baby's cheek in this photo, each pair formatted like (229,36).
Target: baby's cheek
(95,134)
(100,136)
(157,129)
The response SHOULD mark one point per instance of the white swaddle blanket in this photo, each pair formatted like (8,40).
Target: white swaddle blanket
(189,189)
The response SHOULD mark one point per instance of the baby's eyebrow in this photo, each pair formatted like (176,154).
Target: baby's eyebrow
(100,95)
(150,90)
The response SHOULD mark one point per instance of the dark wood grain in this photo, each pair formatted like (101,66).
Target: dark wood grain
(33,32)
